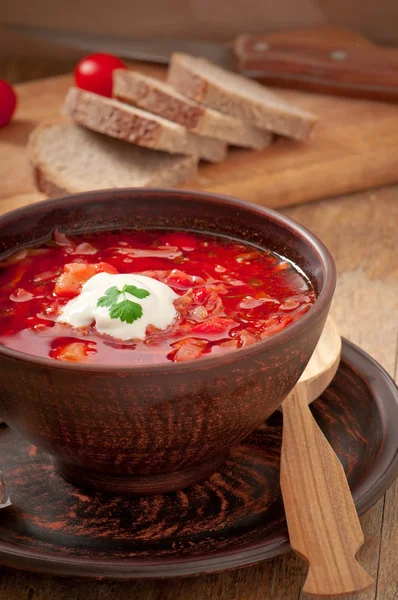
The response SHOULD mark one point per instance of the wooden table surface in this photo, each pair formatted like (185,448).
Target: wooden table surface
(361,231)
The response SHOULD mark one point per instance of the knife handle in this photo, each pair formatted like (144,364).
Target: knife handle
(364,71)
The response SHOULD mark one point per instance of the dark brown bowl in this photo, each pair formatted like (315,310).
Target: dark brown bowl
(158,428)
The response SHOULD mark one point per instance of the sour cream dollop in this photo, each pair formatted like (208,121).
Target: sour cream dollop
(157,308)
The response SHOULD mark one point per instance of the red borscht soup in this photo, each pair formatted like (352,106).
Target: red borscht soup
(222,295)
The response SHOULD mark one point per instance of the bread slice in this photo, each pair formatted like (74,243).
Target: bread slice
(238,96)
(69,158)
(158,97)
(131,124)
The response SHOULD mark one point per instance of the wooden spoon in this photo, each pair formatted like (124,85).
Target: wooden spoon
(322,520)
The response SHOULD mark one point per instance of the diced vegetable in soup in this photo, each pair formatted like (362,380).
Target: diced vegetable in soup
(144,297)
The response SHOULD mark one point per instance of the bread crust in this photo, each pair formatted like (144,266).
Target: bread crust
(177,170)
(134,89)
(155,96)
(188,75)
(47,186)
(122,121)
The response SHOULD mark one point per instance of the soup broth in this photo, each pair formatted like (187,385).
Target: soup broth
(227,295)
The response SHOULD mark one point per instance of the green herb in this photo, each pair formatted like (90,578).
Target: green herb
(111,297)
(127,310)
(135,291)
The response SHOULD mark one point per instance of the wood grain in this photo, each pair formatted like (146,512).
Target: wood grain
(349,68)
(237,515)
(323,524)
(361,231)
(368,272)
(324,362)
(354,147)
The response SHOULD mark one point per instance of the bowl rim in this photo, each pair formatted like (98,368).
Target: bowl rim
(207,362)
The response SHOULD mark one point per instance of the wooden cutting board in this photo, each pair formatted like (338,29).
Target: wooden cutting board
(354,146)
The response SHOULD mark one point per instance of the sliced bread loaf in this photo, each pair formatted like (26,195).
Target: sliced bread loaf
(162,99)
(69,158)
(238,96)
(132,124)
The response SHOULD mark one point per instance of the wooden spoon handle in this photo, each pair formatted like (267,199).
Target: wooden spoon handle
(322,520)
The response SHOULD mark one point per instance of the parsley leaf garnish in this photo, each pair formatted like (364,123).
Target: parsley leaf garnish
(135,291)
(111,296)
(127,310)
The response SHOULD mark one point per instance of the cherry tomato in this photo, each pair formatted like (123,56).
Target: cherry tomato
(94,73)
(8,102)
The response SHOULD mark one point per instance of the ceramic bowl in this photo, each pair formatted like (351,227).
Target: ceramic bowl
(157,428)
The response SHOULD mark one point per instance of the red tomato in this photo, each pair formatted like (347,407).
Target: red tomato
(94,73)
(73,352)
(8,102)
(75,275)
(214,325)
(188,349)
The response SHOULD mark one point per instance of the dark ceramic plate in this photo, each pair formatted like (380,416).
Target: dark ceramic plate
(234,519)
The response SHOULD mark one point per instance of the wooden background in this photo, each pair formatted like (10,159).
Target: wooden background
(211,19)
(361,231)
(356,139)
